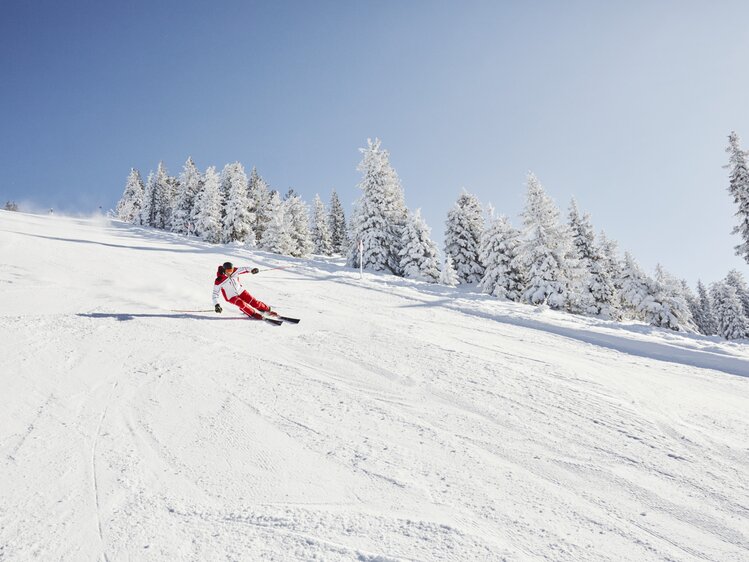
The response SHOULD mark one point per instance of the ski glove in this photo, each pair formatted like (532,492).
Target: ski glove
(254,270)
(218,307)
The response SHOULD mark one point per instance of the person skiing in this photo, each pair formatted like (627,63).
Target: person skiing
(228,284)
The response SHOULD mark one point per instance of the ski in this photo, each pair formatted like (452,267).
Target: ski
(279,318)
(273,321)
(289,319)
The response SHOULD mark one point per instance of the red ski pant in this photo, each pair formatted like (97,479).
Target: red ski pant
(249,304)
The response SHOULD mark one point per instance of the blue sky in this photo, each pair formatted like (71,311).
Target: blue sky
(626,106)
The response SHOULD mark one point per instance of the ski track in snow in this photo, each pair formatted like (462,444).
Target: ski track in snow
(398,421)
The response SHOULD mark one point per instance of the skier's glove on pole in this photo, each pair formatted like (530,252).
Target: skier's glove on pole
(218,308)
(254,270)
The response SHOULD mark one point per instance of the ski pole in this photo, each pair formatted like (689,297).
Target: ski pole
(272,268)
(208,310)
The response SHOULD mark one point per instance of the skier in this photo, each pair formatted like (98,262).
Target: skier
(228,284)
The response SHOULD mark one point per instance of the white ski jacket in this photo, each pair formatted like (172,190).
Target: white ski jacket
(229,285)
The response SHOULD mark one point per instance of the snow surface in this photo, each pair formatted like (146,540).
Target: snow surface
(398,421)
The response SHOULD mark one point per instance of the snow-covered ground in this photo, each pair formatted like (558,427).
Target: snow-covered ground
(397,421)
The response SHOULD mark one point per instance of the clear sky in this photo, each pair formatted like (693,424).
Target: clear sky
(625,105)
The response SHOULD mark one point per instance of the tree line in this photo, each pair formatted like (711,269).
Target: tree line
(562,263)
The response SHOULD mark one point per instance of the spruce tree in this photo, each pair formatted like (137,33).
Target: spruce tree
(258,196)
(545,250)
(159,198)
(634,287)
(674,312)
(337,225)
(206,212)
(379,214)
(732,323)
(320,231)
(146,215)
(297,214)
(737,281)
(464,227)
(597,292)
(237,218)
(503,275)
(419,253)
(277,234)
(129,206)
(190,184)
(738,187)
(705,317)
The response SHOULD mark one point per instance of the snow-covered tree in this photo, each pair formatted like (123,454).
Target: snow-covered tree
(738,187)
(320,229)
(448,276)
(129,206)
(190,184)
(704,316)
(464,227)
(157,199)
(145,217)
(737,281)
(168,199)
(206,212)
(337,225)
(732,323)
(419,259)
(673,311)
(545,250)
(634,287)
(379,214)
(297,214)
(503,274)
(258,196)
(237,219)
(597,291)
(277,234)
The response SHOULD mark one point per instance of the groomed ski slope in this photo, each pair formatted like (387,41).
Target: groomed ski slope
(397,421)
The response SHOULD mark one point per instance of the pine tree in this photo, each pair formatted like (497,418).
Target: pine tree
(159,190)
(739,189)
(237,219)
(705,314)
(258,196)
(503,274)
(449,276)
(674,312)
(634,287)
(379,214)
(612,265)
(737,281)
(545,250)
(465,225)
(730,317)
(128,208)
(277,234)
(145,217)
(297,214)
(206,212)
(337,225)
(418,253)
(597,292)
(190,184)
(320,232)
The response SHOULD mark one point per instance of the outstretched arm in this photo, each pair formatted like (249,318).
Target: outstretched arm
(216,291)
(241,270)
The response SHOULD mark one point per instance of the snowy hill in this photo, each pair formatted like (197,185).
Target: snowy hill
(397,421)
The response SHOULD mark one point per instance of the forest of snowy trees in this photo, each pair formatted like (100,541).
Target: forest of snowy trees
(547,260)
